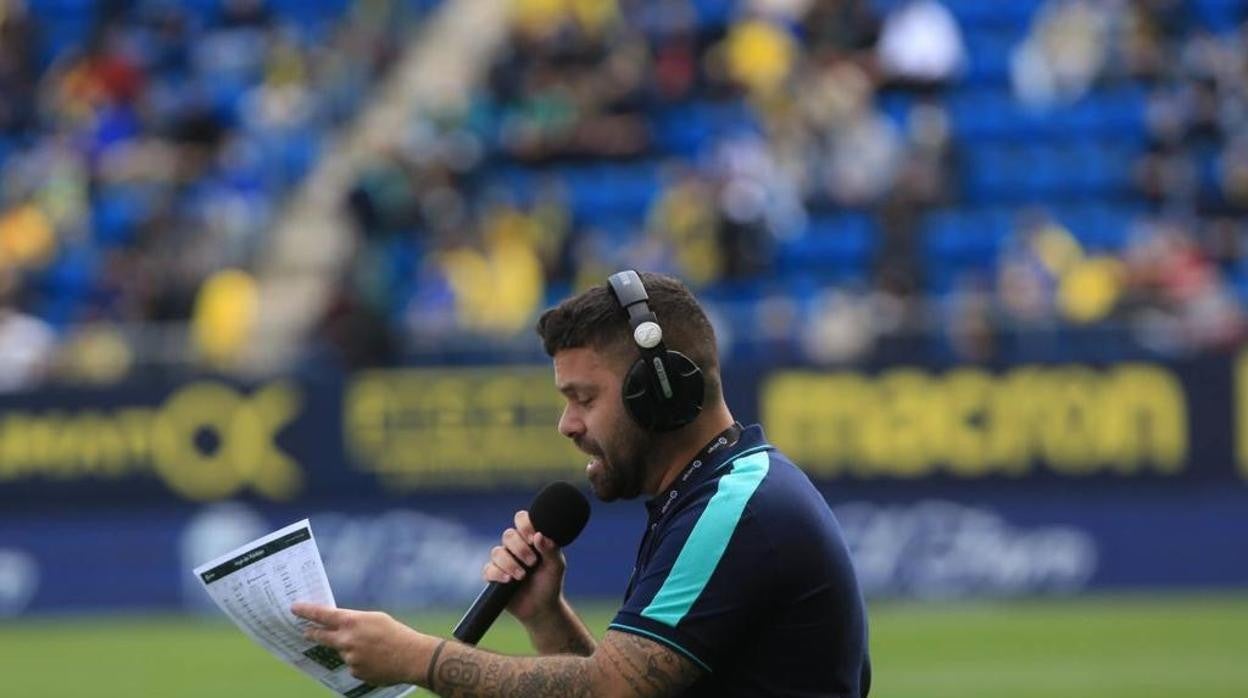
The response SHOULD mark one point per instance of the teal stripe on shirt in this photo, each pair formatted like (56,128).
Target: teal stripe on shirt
(756,449)
(708,540)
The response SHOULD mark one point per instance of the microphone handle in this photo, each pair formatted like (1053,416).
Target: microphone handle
(484,611)
(488,606)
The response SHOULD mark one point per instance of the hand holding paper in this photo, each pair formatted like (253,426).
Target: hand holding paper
(256,584)
(376,648)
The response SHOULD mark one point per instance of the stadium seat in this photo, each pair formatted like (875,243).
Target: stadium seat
(837,248)
(601,192)
(1220,15)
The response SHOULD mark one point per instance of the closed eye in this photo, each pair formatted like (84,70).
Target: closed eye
(579,395)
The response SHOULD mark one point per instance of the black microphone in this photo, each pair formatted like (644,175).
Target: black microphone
(558,512)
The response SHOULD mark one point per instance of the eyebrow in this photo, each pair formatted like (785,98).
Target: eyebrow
(574,387)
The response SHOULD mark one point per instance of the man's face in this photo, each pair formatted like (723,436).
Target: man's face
(595,419)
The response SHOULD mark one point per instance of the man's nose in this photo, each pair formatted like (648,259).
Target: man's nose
(570,425)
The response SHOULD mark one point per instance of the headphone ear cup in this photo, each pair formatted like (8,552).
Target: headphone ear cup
(639,396)
(647,405)
(688,391)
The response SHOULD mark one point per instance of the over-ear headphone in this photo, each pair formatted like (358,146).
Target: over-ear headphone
(663,390)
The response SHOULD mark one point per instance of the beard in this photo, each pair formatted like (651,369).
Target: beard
(620,460)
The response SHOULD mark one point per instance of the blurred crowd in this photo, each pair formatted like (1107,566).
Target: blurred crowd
(1177,281)
(710,140)
(690,138)
(843,180)
(145,150)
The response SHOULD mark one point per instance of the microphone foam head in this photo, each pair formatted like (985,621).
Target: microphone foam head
(559,512)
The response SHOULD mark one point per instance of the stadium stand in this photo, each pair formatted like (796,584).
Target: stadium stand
(1029,169)
(781,149)
(146,146)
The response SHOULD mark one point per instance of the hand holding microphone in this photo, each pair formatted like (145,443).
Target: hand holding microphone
(528,576)
(516,560)
(378,649)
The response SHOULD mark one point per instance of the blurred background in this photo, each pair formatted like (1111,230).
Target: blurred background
(979,266)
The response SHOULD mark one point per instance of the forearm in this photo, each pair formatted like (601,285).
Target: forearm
(560,632)
(381,651)
(461,671)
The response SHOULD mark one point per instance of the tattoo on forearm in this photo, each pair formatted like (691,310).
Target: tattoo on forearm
(649,669)
(475,674)
(569,681)
(457,673)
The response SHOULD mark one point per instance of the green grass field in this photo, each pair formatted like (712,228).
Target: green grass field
(1128,647)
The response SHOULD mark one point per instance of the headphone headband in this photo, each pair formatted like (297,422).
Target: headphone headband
(629,291)
(632,296)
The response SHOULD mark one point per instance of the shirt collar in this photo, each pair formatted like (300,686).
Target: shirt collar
(702,467)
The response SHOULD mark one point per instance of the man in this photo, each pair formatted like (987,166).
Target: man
(743,585)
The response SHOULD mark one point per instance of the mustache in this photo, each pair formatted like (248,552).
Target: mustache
(588,448)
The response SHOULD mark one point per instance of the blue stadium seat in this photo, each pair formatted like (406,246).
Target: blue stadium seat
(957,241)
(733,291)
(49,10)
(974,15)
(713,14)
(59,33)
(1084,221)
(117,214)
(988,54)
(1220,16)
(685,129)
(836,248)
(65,283)
(292,152)
(312,17)
(8,146)
(992,113)
(602,192)
(896,105)
(998,173)
(206,11)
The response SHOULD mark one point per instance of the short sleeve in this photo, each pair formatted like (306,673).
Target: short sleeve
(709,576)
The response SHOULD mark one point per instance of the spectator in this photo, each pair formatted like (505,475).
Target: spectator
(1139,45)
(1064,53)
(17,67)
(1182,303)
(27,238)
(842,329)
(686,222)
(841,31)
(1233,174)
(862,149)
(921,46)
(497,285)
(759,56)
(26,342)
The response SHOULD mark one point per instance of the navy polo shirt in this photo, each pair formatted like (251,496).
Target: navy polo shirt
(743,570)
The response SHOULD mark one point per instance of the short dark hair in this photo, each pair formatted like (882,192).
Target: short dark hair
(594,319)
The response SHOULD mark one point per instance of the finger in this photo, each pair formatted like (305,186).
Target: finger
(327,616)
(320,636)
(491,573)
(544,545)
(525,525)
(519,547)
(503,560)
